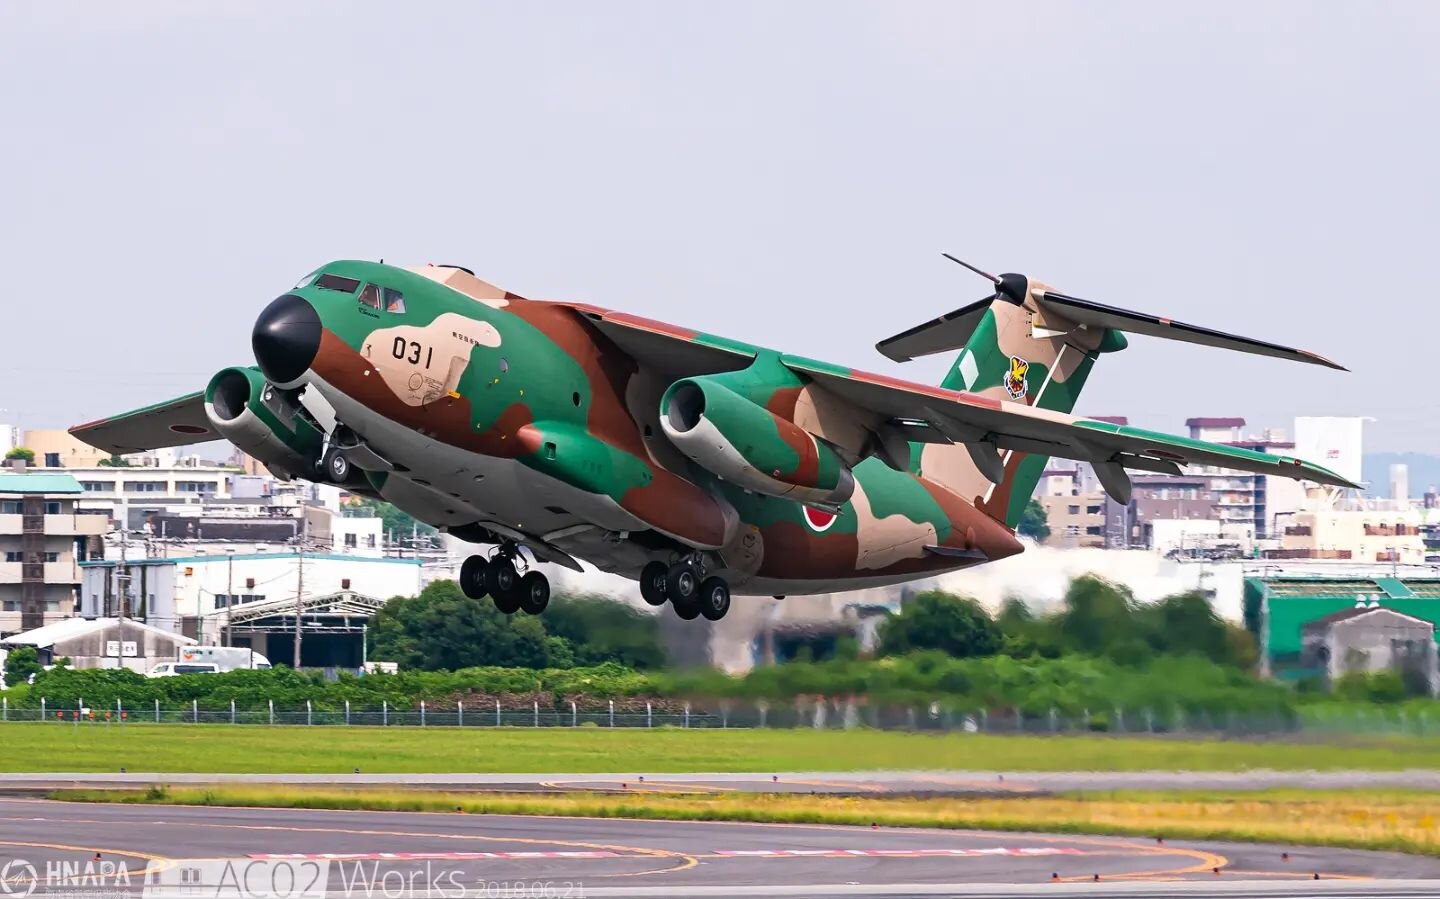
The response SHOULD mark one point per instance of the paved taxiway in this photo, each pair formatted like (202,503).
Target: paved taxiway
(877,782)
(612,857)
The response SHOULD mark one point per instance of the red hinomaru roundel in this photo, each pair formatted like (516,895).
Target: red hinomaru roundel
(818,519)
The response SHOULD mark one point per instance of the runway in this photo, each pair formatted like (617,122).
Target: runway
(864,782)
(613,857)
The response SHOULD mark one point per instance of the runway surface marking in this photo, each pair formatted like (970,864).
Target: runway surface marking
(433,856)
(65,847)
(1201,861)
(683,860)
(670,787)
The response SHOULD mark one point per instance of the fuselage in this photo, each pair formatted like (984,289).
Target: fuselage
(486,409)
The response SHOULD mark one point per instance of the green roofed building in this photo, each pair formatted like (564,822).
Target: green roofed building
(1278,609)
(43,537)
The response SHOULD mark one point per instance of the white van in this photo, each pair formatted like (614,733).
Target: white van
(170,669)
(227,658)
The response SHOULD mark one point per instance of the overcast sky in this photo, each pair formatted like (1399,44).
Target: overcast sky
(782,173)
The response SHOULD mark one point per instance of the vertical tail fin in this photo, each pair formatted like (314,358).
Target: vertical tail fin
(1009,350)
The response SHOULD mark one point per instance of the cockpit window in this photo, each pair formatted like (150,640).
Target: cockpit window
(337,282)
(305,281)
(394,300)
(370,296)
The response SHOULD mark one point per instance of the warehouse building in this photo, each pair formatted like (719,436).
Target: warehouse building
(208,597)
(1324,627)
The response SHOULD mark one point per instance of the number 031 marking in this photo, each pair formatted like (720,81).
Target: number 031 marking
(410,350)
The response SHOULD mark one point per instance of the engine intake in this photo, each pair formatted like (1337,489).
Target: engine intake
(749,445)
(262,421)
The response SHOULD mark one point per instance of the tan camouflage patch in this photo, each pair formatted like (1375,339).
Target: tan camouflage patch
(885,541)
(466,283)
(421,364)
(821,413)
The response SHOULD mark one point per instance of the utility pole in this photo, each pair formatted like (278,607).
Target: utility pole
(300,582)
(229,589)
(122,583)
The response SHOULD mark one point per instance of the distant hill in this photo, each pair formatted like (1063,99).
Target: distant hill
(1424,471)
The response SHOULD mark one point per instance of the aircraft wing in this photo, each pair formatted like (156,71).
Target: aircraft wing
(937,415)
(177,422)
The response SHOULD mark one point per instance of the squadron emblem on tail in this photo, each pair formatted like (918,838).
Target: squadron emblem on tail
(1015,378)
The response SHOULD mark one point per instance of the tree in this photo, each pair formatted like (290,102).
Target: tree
(443,629)
(956,625)
(600,629)
(21,452)
(1033,522)
(1098,617)
(115,462)
(22,662)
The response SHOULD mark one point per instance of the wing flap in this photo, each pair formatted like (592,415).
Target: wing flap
(177,422)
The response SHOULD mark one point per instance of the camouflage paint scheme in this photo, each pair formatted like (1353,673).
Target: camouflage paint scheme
(547,422)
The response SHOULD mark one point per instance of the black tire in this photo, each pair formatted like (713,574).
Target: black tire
(681,583)
(533,592)
(472,577)
(507,603)
(714,598)
(337,467)
(686,609)
(501,578)
(652,583)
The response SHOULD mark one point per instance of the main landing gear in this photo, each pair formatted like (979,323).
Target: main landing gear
(686,587)
(499,577)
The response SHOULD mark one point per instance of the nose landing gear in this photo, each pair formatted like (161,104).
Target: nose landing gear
(684,584)
(508,588)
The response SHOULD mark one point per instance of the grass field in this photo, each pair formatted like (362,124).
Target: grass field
(240,748)
(1404,822)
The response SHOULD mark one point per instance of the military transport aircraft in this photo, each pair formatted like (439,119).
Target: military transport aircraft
(695,463)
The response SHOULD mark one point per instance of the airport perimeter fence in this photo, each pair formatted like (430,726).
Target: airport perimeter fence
(829,714)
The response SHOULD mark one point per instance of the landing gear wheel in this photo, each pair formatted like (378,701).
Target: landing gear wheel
(337,467)
(686,609)
(501,581)
(714,598)
(533,592)
(681,583)
(506,603)
(652,583)
(472,577)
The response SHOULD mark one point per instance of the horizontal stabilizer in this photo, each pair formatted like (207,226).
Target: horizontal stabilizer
(941,335)
(1098,315)
(1056,314)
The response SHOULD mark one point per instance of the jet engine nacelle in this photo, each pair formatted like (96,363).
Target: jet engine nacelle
(748,445)
(263,421)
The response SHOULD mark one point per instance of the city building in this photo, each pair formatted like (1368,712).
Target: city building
(1357,534)
(43,537)
(60,449)
(1074,507)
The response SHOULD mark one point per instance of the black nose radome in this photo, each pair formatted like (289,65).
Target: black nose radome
(286,338)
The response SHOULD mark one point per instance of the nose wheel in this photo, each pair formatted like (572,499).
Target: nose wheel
(498,577)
